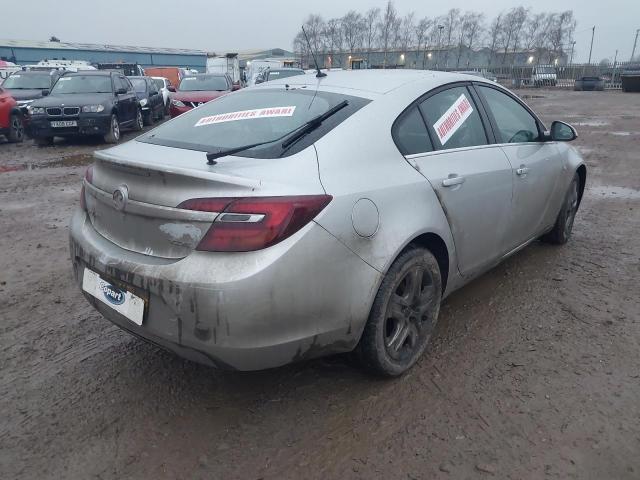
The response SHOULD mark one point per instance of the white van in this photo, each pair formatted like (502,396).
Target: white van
(225,64)
(544,75)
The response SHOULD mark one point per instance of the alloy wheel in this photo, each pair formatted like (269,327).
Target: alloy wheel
(18,128)
(571,209)
(115,126)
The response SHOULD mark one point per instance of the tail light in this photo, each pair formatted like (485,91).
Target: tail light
(248,224)
(88,177)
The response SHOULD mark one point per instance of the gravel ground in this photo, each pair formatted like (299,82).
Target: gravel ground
(534,369)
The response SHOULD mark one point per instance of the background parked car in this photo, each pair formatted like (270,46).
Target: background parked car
(174,74)
(86,103)
(11,124)
(29,85)
(589,83)
(150,99)
(544,76)
(163,85)
(195,90)
(275,73)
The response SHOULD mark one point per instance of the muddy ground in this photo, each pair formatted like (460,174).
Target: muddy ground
(534,370)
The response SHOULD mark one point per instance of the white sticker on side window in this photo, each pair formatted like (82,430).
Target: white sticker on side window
(247,115)
(453,118)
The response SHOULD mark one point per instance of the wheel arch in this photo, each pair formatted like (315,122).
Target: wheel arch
(437,246)
(582,175)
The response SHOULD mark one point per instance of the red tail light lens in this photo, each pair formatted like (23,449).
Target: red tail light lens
(248,224)
(88,176)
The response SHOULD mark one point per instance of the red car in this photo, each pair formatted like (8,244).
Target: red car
(197,89)
(11,121)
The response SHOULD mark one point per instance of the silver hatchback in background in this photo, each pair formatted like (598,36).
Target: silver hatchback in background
(311,216)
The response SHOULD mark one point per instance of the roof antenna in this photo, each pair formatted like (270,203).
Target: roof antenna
(319,74)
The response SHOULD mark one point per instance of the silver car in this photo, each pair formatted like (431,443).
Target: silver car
(312,216)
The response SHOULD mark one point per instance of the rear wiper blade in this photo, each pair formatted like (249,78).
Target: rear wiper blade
(312,124)
(294,135)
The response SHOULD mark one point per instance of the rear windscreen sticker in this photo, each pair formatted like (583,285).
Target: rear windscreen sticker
(247,115)
(453,118)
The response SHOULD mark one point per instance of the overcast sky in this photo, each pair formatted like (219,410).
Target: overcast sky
(222,26)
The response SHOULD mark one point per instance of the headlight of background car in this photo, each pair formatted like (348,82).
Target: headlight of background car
(93,108)
(177,103)
(35,110)
(143,102)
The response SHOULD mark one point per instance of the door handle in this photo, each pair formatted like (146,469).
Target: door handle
(452,180)
(522,170)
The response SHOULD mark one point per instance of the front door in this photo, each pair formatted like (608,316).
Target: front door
(471,178)
(536,165)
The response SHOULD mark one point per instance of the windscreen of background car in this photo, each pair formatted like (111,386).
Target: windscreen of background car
(224,123)
(139,84)
(159,83)
(203,83)
(275,74)
(21,81)
(82,84)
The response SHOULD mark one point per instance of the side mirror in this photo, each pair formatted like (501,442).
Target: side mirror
(563,132)
(171,88)
(151,94)
(45,92)
(121,91)
(235,86)
(259,80)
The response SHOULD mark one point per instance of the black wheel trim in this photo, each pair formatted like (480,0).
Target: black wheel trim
(410,313)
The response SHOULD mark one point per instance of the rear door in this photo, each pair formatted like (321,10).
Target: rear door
(537,165)
(445,138)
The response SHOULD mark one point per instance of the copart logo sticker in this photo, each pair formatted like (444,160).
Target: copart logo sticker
(453,118)
(113,294)
(247,115)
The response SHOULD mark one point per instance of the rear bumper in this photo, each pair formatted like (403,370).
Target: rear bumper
(87,125)
(304,297)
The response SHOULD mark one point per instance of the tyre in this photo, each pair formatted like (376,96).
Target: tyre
(403,315)
(43,141)
(139,122)
(561,231)
(16,129)
(149,118)
(114,130)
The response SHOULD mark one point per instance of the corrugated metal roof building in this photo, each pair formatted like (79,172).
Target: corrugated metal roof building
(29,52)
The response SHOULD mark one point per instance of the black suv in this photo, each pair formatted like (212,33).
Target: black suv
(29,85)
(86,103)
(151,100)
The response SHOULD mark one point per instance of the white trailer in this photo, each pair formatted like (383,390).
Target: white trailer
(222,64)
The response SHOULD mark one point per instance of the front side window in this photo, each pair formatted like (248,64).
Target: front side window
(203,83)
(254,116)
(410,133)
(515,124)
(82,84)
(159,83)
(453,119)
(139,84)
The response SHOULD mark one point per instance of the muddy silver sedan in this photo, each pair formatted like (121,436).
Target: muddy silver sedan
(311,216)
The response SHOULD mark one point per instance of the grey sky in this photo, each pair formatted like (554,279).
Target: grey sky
(220,26)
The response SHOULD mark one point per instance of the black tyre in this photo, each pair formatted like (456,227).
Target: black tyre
(561,231)
(403,315)
(114,130)
(139,122)
(43,141)
(149,118)
(16,129)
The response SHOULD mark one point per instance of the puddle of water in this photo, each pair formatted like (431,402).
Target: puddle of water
(611,191)
(77,160)
(592,123)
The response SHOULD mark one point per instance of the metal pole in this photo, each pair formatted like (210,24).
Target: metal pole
(593,32)
(440,28)
(615,64)
(573,44)
(635,42)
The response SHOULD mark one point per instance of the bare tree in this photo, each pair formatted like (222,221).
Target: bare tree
(334,40)
(561,33)
(451,25)
(521,15)
(495,32)
(509,34)
(407,31)
(422,32)
(301,49)
(353,30)
(387,29)
(314,26)
(370,19)
(472,26)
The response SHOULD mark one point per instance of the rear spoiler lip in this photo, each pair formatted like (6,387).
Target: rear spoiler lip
(187,172)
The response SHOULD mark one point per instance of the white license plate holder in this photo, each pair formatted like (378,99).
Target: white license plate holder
(119,299)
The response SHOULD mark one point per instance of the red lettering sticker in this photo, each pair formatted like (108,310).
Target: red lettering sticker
(246,115)
(453,118)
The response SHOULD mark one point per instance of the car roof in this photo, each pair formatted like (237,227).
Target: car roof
(92,72)
(376,82)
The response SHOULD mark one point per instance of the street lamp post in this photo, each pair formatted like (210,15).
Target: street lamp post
(635,42)
(440,28)
(573,44)
(593,32)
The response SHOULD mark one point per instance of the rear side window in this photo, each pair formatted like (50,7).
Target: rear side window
(453,119)
(254,116)
(515,124)
(410,133)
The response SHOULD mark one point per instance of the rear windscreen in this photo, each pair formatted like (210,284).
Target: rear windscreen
(253,116)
